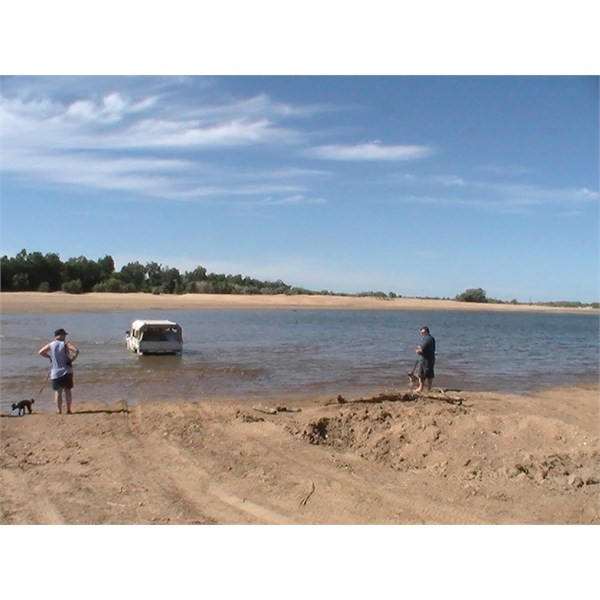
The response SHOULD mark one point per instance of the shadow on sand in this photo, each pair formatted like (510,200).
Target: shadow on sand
(107,411)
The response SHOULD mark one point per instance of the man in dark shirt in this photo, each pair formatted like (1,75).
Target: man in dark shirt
(426,350)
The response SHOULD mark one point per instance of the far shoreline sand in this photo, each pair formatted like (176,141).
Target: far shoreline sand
(59,302)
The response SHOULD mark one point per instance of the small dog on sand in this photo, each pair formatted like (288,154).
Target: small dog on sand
(22,406)
(413,380)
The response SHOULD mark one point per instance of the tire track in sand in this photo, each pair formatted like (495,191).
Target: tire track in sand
(197,485)
(356,490)
(42,510)
(187,475)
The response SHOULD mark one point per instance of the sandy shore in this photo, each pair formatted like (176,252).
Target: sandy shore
(447,458)
(32,302)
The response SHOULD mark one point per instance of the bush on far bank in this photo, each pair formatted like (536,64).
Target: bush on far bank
(72,287)
(473,295)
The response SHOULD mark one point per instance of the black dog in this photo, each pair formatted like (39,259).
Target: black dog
(413,380)
(22,405)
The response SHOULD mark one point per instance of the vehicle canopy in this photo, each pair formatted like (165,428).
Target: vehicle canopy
(143,329)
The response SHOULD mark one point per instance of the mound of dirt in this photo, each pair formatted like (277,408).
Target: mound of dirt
(453,440)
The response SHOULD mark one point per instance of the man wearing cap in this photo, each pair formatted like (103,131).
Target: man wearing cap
(61,354)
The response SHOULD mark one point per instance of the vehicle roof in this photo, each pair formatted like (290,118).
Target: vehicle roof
(139,323)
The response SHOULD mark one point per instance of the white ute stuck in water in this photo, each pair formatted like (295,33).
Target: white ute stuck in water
(154,337)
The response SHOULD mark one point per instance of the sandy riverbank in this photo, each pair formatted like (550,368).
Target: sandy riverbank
(447,458)
(458,458)
(32,302)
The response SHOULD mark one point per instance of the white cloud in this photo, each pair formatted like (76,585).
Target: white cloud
(114,142)
(500,197)
(448,180)
(233,133)
(539,195)
(287,173)
(505,169)
(371,151)
(296,199)
(176,119)
(118,125)
(257,107)
(237,190)
(507,198)
(584,193)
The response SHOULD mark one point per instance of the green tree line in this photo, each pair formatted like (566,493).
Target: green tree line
(37,272)
(34,271)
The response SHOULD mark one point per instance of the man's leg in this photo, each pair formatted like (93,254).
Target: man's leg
(69,399)
(58,400)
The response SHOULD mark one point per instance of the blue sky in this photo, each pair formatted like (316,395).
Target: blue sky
(420,185)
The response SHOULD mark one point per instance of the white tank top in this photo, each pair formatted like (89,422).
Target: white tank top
(59,356)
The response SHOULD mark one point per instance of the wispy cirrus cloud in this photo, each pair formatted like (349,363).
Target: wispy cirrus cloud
(117,123)
(258,107)
(241,189)
(151,139)
(162,134)
(505,198)
(506,188)
(294,200)
(151,176)
(370,151)
(147,145)
(502,169)
(111,108)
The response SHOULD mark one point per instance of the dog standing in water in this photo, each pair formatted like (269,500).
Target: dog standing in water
(413,380)
(22,406)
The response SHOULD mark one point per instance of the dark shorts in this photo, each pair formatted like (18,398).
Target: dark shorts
(63,383)
(426,369)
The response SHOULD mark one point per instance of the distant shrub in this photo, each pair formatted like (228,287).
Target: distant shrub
(381,295)
(73,287)
(110,285)
(295,291)
(472,295)
(44,287)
